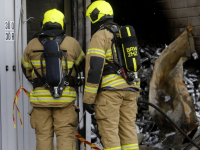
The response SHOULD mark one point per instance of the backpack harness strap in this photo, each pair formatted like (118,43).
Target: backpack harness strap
(111,68)
(117,66)
(40,81)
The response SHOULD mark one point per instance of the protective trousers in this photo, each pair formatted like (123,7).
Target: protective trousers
(62,121)
(115,114)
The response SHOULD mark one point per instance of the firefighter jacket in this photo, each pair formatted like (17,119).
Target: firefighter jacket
(41,97)
(99,50)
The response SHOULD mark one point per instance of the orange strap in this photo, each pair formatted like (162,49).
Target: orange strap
(15,104)
(86,142)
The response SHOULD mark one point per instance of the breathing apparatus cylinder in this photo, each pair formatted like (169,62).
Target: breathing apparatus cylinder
(130,48)
(53,59)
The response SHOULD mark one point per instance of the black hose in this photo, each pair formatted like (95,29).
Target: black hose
(179,129)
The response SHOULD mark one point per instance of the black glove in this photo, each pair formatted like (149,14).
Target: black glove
(89,108)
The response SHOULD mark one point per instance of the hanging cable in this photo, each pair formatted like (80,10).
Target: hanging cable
(19,24)
(19,90)
(179,129)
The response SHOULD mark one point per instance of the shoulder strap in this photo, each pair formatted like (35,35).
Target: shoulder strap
(115,41)
(43,39)
(59,39)
(119,62)
(114,67)
(42,79)
(112,29)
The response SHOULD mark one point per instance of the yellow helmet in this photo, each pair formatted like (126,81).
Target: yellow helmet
(54,18)
(99,10)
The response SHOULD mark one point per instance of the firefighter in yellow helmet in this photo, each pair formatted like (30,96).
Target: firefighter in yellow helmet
(114,101)
(51,62)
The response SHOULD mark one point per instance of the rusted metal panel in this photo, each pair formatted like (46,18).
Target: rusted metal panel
(167,80)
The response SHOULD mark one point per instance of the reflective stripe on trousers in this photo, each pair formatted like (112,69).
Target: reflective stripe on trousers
(130,146)
(124,147)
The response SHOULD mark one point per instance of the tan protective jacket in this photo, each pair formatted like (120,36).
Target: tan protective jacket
(99,50)
(41,97)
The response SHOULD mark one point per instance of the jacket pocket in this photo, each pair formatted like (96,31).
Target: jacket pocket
(32,119)
(73,120)
(100,108)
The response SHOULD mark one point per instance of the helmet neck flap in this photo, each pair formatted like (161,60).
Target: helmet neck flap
(98,25)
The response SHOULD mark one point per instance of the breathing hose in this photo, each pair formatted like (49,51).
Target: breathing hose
(179,129)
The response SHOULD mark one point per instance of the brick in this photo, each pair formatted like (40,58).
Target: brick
(182,29)
(174,33)
(197,40)
(178,3)
(194,21)
(187,12)
(179,23)
(170,13)
(196,31)
(163,5)
(192,3)
(197,11)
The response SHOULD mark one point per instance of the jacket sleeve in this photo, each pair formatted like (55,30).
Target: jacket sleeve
(26,64)
(80,57)
(95,59)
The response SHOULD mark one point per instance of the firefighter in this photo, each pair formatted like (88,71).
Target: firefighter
(115,104)
(51,114)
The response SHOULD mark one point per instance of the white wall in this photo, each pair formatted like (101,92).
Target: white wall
(11,138)
(7,79)
(3,125)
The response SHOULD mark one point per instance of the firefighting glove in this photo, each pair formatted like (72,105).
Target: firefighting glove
(89,108)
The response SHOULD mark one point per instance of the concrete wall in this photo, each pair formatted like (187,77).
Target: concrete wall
(179,14)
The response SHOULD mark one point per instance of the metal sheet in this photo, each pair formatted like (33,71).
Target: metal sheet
(3,123)
(167,80)
(7,80)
